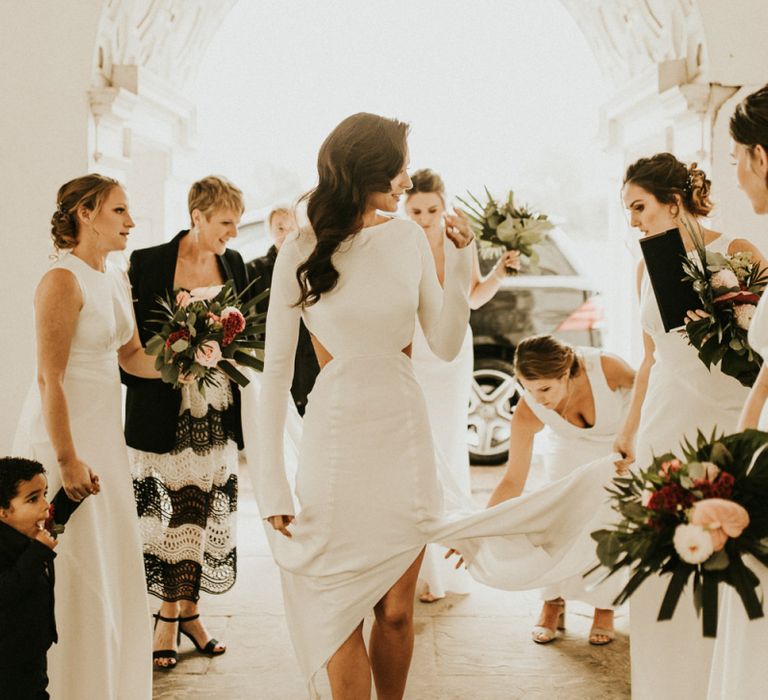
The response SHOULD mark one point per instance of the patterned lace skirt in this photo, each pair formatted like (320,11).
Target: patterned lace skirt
(187,500)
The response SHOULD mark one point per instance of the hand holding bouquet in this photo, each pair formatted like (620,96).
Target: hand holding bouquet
(204,330)
(694,517)
(506,226)
(729,287)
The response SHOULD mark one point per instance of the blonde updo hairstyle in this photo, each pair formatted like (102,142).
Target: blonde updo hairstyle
(545,357)
(671,182)
(88,191)
(214,193)
(427,181)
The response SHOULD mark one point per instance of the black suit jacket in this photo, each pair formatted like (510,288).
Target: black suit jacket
(305,366)
(27,623)
(151,405)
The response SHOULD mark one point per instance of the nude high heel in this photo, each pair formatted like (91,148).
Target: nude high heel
(545,635)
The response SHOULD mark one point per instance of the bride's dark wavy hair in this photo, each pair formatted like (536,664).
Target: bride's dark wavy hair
(361,156)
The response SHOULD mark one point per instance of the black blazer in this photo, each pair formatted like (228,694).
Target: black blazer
(305,366)
(27,623)
(151,405)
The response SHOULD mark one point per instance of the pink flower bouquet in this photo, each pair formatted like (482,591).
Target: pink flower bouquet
(693,518)
(206,330)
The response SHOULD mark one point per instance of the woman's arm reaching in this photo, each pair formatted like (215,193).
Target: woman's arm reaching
(444,312)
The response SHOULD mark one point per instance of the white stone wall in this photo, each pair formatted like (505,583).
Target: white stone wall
(47,53)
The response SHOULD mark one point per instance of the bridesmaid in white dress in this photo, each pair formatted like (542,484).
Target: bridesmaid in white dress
(674,395)
(582,396)
(738,667)
(446,385)
(73,425)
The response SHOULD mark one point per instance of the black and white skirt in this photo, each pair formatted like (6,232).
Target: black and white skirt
(186,500)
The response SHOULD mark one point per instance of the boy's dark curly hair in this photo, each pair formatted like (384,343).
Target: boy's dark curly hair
(14,470)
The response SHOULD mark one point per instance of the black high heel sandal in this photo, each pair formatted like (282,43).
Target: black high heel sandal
(172,654)
(209,649)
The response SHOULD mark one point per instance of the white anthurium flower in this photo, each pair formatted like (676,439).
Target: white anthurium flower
(693,543)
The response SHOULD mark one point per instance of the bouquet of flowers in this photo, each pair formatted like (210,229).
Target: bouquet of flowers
(59,512)
(205,330)
(693,517)
(729,287)
(505,225)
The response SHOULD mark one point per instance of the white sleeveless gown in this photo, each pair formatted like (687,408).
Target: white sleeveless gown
(367,484)
(738,665)
(102,614)
(672,658)
(446,387)
(572,446)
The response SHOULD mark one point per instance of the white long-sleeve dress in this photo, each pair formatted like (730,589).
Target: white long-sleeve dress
(102,613)
(370,498)
(672,658)
(738,664)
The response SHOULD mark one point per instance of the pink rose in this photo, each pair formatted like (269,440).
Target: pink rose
(670,467)
(183,299)
(205,293)
(208,354)
(721,518)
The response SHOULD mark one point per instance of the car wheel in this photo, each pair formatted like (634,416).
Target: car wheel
(492,402)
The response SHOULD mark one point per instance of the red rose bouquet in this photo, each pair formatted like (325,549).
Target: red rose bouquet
(693,518)
(205,330)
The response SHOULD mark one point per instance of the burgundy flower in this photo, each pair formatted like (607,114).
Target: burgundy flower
(177,335)
(671,498)
(722,487)
(232,323)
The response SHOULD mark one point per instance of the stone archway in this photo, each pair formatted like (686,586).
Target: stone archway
(103,87)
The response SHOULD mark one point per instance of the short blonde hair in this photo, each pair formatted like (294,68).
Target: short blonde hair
(280,210)
(213,193)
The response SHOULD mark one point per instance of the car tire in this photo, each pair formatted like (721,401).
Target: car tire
(492,402)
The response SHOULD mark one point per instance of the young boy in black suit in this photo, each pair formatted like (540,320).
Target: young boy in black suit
(27,624)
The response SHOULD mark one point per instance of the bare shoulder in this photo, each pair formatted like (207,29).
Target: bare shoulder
(525,419)
(618,373)
(639,272)
(742,245)
(59,286)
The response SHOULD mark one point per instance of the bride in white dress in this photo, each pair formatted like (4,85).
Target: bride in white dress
(674,395)
(738,667)
(73,425)
(446,385)
(367,483)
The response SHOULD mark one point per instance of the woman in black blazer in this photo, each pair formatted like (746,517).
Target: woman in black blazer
(183,444)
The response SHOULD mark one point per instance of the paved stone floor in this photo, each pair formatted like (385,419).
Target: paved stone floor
(469,647)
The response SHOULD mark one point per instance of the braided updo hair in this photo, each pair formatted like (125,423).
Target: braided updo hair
(88,191)
(545,357)
(666,178)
